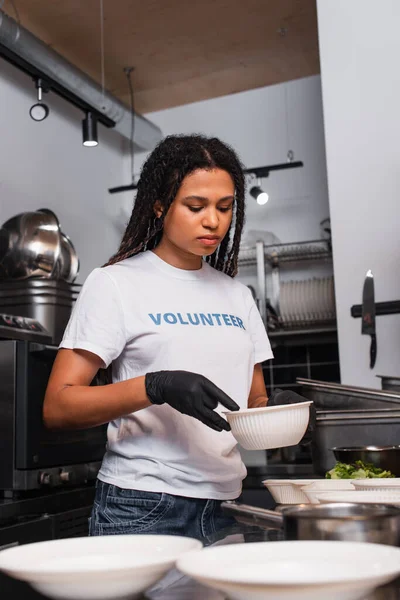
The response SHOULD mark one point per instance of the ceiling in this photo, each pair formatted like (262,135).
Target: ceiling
(182,51)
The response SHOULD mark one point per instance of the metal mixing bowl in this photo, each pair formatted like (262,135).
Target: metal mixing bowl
(34,245)
(384,457)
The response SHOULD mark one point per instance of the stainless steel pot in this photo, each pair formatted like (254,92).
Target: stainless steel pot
(375,523)
(68,263)
(390,383)
(38,283)
(34,245)
(384,457)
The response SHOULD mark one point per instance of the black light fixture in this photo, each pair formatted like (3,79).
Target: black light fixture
(130,186)
(256,191)
(264,171)
(259,195)
(40,110)
(89,130)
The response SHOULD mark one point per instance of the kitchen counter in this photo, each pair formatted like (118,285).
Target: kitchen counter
(176,586)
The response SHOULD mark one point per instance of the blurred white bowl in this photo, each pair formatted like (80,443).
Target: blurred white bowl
(287,491)
(322,486)
(95,568)
(298,570)
(384,484)
(361,497)
(270,426)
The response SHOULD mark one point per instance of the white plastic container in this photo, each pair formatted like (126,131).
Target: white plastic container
(288,491)
(362,496)
(321,486)
(270,427)
(384,484)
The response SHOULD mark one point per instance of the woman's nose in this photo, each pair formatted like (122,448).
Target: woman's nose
(210,219)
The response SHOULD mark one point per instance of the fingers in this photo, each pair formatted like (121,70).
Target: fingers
(218,395)
(212,418)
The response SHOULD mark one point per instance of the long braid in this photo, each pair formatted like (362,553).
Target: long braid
(162,174)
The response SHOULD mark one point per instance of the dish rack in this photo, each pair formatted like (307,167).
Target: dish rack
(271,258)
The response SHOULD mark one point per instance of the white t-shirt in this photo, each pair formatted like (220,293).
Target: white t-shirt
(143,315)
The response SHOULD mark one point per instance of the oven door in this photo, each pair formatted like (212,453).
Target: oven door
(35,445)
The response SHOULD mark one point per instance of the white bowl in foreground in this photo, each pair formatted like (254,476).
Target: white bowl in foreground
(270,426)
(294,570)
(96,568)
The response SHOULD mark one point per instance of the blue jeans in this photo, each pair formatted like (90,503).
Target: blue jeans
(120,511)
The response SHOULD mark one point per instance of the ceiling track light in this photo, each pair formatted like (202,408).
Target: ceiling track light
(89,130)
(40,110)
(265,171)
(259,195)
(256,191)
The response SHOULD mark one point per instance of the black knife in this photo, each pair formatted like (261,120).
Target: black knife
(368,323)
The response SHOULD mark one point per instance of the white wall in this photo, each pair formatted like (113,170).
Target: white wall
(46,165)
(359,49)
(255,124)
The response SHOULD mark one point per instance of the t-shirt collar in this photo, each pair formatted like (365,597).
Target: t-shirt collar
(159,263)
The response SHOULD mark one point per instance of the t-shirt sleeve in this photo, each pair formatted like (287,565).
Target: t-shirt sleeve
(97,320)
(262,346)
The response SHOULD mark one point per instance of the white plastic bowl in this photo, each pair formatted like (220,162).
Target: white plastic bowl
(287,491)
(95,568)
(322,486)
(361,497)
(384,484)
(299,570)
(270,426)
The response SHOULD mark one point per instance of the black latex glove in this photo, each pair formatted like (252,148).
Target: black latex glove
(191,394)
(281,397)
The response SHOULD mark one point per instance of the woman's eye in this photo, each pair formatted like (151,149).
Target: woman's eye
(195,208)
(225,209)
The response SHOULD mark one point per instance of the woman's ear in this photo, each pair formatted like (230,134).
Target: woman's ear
(158,210)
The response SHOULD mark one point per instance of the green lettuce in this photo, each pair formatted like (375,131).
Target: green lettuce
(357,470)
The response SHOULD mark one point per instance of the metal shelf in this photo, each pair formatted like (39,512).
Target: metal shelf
(276,254)
(298,332)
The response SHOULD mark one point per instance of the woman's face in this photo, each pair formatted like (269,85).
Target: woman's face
(201,214)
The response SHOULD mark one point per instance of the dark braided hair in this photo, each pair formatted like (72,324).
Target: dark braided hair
(161,177)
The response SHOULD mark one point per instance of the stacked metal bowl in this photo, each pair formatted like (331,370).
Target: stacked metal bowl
(38,267)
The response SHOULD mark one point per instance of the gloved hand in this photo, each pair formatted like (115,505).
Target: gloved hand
(281,397)
(191,394)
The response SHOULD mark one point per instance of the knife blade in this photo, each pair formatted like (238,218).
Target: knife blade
(368,322)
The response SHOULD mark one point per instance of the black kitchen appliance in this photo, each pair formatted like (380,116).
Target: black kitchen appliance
(33,456)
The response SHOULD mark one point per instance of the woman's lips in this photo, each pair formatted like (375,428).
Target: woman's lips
(209,241)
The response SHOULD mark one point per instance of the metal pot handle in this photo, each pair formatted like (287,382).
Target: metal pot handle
(253,512)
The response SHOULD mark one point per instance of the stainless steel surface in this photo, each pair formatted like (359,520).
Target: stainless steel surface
(355,415)
(373,523)
(34,246)
(385,457)
(368,322)
(390,383)
(336,430)
(327,395)
(261,281)
(54,316)
(294,252)
(33,456)
(32,283)
(43,292)
(68,263)
(48,62)
(378,524)
(253,514)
